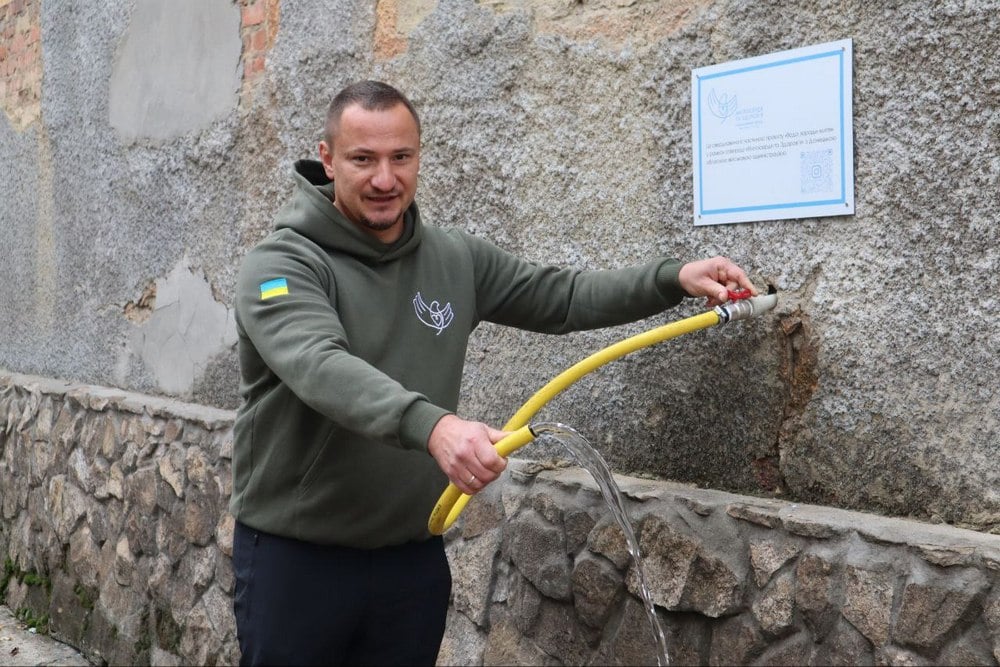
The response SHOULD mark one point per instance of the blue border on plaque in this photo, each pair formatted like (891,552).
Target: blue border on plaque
(839,53)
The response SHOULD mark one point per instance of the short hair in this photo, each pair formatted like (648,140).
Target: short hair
(372,96)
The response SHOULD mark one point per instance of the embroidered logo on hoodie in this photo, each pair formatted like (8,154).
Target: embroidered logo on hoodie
(434,315)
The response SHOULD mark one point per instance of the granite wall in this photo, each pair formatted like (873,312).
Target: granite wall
(116,539)
(561,131)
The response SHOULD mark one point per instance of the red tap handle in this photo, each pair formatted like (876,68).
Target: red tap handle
(739,294)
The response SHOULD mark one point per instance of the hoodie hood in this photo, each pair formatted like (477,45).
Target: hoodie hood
(311,213)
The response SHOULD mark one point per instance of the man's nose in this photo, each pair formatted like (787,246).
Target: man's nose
(383,179)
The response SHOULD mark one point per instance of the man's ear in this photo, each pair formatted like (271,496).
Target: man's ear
(326,157)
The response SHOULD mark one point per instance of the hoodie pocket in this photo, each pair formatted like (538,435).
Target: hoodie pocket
(318,465)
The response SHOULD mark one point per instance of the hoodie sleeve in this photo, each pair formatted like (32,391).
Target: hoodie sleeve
(284,314)
(550,299)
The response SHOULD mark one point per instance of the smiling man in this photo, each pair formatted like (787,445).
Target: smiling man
(373,165)
(353,320)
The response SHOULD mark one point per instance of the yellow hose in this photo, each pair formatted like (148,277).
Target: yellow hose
(453,501)
(560,382)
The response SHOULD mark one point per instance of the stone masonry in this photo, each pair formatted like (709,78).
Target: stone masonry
(114,532)
(116,539)
(542,576)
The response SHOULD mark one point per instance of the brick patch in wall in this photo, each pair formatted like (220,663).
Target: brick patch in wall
(21,61)
(394,21)
(388,43)
(260,20)
(610,22)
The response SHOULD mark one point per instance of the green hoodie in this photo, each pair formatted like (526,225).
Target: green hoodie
(351,351)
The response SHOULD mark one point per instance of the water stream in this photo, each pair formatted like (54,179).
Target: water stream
(594,463)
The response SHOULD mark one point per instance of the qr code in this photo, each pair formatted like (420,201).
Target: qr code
(817,170)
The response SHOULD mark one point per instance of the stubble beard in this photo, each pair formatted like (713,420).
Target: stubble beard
(378,226)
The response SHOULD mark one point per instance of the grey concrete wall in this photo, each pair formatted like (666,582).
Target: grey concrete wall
(562,132)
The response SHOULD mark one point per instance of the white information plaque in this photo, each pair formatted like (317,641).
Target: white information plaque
(773,136)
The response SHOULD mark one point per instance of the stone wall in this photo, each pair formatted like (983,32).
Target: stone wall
(114,532)
(116,539)
(543,578)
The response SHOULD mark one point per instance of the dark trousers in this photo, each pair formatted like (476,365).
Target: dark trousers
(298,603)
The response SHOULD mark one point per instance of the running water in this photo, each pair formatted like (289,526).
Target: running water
(594,463)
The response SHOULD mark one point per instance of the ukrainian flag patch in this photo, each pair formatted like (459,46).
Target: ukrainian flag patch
(273,288)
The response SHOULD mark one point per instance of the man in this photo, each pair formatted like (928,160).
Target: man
(353,320)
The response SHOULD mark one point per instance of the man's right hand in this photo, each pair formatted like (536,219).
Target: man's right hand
(712,278)
(464,451)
